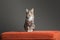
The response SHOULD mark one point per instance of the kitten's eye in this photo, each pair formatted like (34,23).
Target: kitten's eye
(28,15)
(31,12)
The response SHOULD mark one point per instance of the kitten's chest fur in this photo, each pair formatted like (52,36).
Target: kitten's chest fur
(29,25)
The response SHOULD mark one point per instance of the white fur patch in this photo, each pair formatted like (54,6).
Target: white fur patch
(30,29)
(31,18)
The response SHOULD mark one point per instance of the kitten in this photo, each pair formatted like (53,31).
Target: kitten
(29,25)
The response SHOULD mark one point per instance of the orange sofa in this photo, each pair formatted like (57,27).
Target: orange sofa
(35,35)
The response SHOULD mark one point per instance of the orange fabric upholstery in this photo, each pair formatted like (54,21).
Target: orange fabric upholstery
(36,35)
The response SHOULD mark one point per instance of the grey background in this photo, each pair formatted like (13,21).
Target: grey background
(12,14)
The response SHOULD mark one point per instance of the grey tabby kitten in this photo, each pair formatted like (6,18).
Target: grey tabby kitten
(29,25)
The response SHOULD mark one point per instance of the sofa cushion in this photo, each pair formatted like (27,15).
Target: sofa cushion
(36,35)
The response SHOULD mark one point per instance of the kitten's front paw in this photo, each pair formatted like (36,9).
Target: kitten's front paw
(30,31)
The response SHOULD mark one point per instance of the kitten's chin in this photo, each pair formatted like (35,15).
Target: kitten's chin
(31,18)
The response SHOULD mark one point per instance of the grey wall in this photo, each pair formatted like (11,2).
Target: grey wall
(12,14)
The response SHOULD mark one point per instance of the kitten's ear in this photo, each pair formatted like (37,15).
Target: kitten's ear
(32,10)
(27,10)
